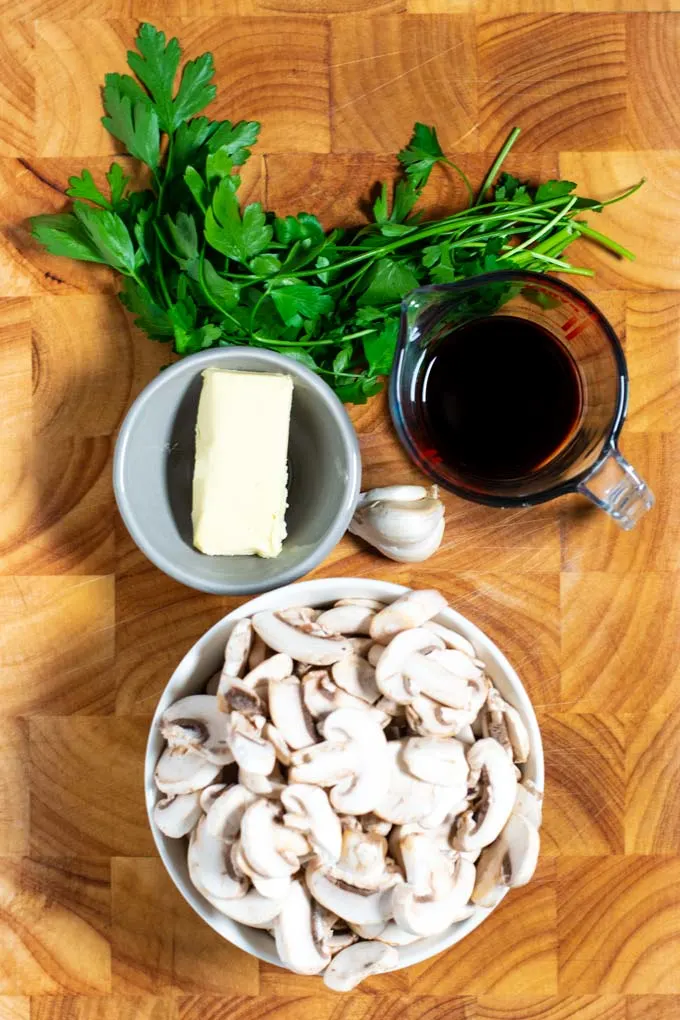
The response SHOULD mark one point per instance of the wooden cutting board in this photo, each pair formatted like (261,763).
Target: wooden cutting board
(90,926)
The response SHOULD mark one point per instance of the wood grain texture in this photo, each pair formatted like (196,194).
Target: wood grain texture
(91,927)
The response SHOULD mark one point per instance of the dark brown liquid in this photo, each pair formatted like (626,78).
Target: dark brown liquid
(501,397)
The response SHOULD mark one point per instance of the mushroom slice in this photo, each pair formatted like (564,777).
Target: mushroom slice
(224,817)
(408,799)
(289,713)
(399,650)
(308,810)
(275,737)
(507,863)
(408,611)
(354,905)
(262,786)
(253,909)
(270,849)
(176,816)
(369,931)
(529,802)
(352,759)
(437,889)
(371,823)
(393,935)
(352,965)
(451,638)
(237,649)
(492,768)
(240,698)
(374,653)
(362,862)
(213,683)
(180,771)
(209,795)
(456,662)
(282,637)
(437,760)
(276,667)
(210,866)
(297,942)
(430,719)
(360,645)
(272,888)
(251,751)
(322,696)
(258,652)
(356,676)
(347,620)
(435,680)
(365,603)
(196,723)
(299,616)
(503,723)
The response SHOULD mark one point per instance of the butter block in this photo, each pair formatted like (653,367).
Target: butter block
(241,471)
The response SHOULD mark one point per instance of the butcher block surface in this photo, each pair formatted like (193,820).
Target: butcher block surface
(91,928)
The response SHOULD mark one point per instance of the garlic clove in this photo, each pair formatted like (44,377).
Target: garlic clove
(408,530)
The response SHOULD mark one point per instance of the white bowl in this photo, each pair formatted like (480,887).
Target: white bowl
(206,656)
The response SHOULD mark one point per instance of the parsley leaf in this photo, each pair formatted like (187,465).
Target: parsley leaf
(62,234)
(149,316)
(301,299)
(195,90)
(553,189)
(390,281)
(84,187)
(135,124)
(421,154)
(156,66)
(235,139)
(379,348)
(118,182)
(109,235)
(237,237)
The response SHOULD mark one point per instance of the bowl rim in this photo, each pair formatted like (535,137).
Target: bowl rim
(322,590)
(194,364)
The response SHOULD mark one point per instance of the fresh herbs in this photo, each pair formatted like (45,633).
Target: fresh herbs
(202,271)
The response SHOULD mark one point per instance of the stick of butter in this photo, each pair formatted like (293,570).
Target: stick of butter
(241,472)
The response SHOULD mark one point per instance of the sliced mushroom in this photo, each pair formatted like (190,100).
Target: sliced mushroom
(360,645)
(258,652)
(393,935)
(271,849)
(263,786)
(398,689)
(322,696)
(209,795)
(434,680)
(272,888)
(451,638)
(362,861)
(347,620)
(466,736)
(503,723)
(275,737)
(299,616)
(371,823)
(408,799)
(437,760)
(276,667)
(252,909)
(308,810)
(213,683)
(297,940)
(352,759)
(289,713)
(354,905)
(210,866)
(399,650)
(179,772)
(225,814)
(507,863)
(196,723)
(437,889)
(251,751)
(356,676)
(281,636)
(529,802)
(491,767)
(352,965)
(428,718)
(176,816)
(237,649)
(374,653)
(365,603)
(456,662)
(409,611)
(369,931)
(240,698)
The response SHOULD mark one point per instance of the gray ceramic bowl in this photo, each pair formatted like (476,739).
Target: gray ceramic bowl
(154,461)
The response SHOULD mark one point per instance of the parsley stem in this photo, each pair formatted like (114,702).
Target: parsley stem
(548,226)
(603,240)
(497,163)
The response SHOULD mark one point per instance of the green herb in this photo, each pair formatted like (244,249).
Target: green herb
(199,269)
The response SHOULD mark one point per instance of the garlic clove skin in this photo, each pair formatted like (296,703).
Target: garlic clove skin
(406,522)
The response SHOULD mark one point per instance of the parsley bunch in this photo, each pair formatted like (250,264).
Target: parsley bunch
(201,271)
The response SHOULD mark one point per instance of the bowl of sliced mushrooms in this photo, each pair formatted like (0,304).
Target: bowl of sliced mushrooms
(344,777)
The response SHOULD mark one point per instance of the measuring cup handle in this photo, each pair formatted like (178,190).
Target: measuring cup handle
(616,487)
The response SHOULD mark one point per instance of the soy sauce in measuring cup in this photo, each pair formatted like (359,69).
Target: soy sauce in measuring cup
(501,396)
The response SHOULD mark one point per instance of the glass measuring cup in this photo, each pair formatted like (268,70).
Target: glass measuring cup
(590,462)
